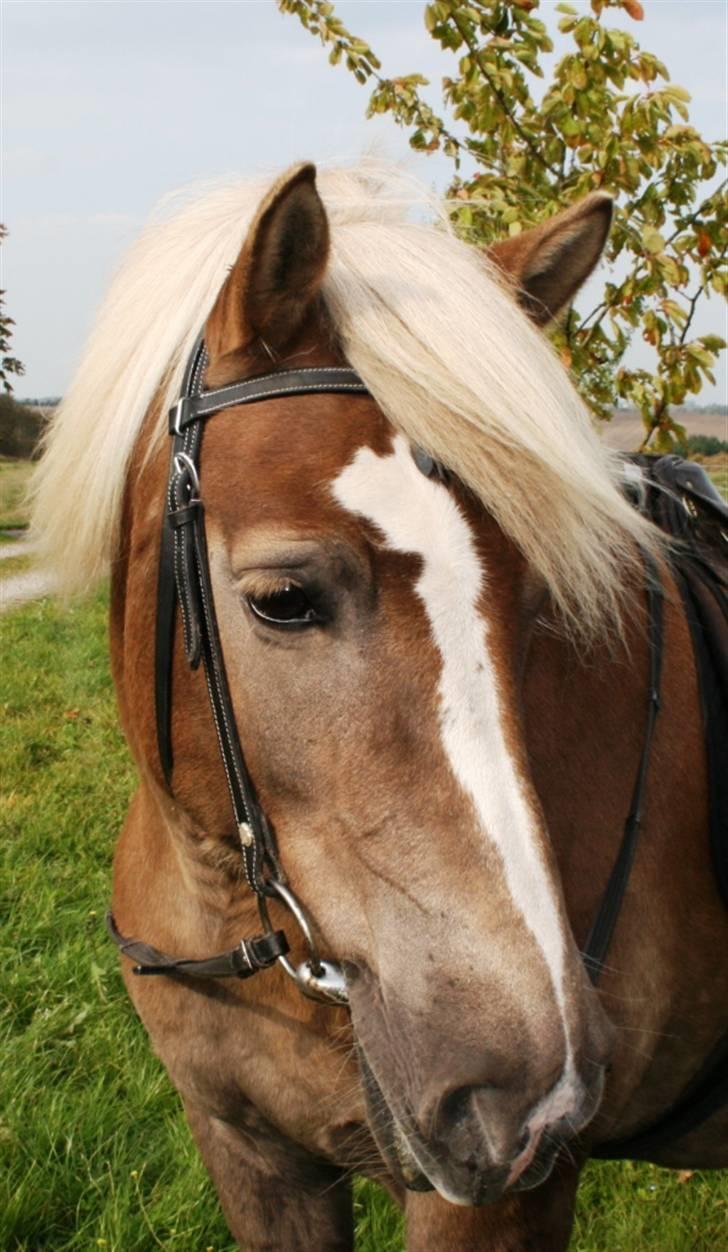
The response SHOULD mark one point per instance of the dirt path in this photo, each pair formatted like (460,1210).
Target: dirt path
(19,547)
(28,585)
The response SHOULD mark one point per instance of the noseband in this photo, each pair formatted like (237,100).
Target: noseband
(184,579)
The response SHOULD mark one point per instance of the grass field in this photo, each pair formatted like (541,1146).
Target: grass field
(12,565)
(94,1151)
(14,477)
(717,468)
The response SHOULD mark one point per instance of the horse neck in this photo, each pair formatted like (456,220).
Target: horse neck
(586,718)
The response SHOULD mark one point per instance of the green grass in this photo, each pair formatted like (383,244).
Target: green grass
(10,566)
(717,468)
(14,477)
(94,1151)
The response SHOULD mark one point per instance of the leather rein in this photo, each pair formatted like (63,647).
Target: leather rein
(184,580)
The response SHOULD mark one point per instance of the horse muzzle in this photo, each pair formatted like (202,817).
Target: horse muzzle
(475,1150)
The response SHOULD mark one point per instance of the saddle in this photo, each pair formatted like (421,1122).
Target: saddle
(678,496)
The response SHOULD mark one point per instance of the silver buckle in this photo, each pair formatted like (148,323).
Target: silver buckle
(183,464)
(317,979)
(177,414)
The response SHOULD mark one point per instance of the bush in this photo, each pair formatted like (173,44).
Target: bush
(20,429)
(703,445)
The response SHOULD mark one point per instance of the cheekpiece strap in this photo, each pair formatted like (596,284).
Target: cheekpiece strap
(184,578)
(166,583)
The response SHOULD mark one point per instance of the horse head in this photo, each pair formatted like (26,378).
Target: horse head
(374,621)
(380,563)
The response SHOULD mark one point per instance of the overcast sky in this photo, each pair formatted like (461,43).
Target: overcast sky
(110,104)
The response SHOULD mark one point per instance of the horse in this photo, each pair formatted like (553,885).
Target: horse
(420,594)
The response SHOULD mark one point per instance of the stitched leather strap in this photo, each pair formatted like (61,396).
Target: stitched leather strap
(256,842)
(250,956)
(184,578)
(166,582)
(190,408)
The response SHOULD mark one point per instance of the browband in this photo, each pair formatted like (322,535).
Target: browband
(189,408)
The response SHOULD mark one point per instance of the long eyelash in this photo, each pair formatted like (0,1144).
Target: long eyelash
(262,583)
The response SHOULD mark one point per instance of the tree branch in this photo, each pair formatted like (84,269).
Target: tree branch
(478,57)
(694,300)
(603,309)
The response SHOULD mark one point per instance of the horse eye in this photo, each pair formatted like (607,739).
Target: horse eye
(288,607)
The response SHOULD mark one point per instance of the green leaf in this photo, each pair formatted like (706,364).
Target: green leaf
(699,354)
(652,240)
(677,93)
(606,119)
(675,312)
(663,442)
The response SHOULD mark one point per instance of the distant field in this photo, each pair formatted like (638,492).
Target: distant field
(717,467)
(625,431)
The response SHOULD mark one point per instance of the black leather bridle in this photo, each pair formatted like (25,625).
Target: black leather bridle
(184,580)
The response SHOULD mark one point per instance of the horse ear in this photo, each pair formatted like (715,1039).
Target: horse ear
(548,264)
(278,273)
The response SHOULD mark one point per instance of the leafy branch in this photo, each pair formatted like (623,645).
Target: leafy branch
(500,96)
(8,364)
(609,118)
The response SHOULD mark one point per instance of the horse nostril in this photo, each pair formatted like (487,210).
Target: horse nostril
(477,1127)
(456,1108)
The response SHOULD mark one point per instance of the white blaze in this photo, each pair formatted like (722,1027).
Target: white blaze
(418,515)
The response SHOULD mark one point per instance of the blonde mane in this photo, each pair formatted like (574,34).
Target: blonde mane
(440,342)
